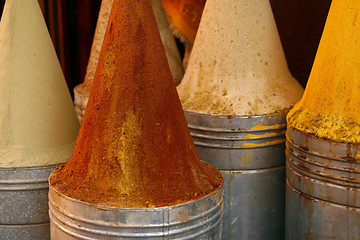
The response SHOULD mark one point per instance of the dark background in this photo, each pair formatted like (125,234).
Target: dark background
(72,24)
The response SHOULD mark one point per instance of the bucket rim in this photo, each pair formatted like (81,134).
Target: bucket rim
(218,190)
(265,115)
(30,168)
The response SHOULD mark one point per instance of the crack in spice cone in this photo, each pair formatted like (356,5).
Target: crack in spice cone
(134,148)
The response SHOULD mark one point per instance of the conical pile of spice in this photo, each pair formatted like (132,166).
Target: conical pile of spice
(237,65)
(184,18)
(236,92)
(171,49)
(82,91)
(134,148)
(330,105)
(38,124)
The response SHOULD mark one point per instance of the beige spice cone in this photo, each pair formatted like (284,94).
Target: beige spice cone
(330,105)
(38,124)
(237,65)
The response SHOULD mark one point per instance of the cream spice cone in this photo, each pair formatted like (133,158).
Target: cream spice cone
(330,105)
(237,65)
(38,124)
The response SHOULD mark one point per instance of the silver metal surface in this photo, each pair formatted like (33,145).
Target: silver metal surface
(250,153)
(73,219)
(323,188)
(24,202)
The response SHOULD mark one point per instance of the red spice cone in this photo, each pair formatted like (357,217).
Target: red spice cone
(134,148)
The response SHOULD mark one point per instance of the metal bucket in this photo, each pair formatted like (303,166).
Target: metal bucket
(323,188)
(73,219)
(250,153)
(24,202)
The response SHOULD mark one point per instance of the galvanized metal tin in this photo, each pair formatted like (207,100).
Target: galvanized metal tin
(73,219)
(24,202)
(323,188)
(250,153)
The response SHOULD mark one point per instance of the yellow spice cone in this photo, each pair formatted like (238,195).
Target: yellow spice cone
(237,65)
(330,105)
(38,124)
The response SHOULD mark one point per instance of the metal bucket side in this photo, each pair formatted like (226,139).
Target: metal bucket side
(250,152)
(253,205)
(325,175)
(25,232)
(24,202)
(239,142)
(72,219)
(323,188)
(312,218)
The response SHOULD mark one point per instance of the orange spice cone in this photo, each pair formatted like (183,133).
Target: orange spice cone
(134,149)
(330,105)
(237,65)
(82,91)
(171,49)
(38,123)
(184,17)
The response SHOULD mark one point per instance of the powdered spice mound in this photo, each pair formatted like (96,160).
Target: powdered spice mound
(330,105)
(134,148)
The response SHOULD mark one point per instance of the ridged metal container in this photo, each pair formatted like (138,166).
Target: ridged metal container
(323,188)
(24,202)
(250,153)
(73,219)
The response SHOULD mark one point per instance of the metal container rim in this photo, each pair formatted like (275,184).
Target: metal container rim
(109,208)
(29,168)
(236,124)
(265,115)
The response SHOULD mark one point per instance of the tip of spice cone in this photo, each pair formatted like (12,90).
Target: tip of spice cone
(330,105)
(38,123)
(134,148)
(237,65)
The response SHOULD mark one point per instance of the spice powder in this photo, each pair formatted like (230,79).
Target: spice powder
(134,148)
